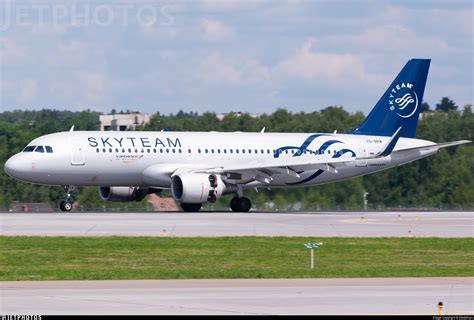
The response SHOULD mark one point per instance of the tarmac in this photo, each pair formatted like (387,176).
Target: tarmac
(240,297)
(213,224)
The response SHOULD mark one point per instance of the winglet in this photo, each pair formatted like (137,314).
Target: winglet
(391,144)
(388,147)
(72,129)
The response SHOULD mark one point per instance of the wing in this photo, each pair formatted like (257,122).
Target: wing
(263,171)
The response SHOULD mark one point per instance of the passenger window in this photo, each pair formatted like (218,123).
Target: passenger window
(39,149)
(29,149)
(49,149)
(236,150)
(97,150)
(243,150)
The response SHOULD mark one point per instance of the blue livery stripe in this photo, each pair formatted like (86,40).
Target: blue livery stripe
(311,177)
(343,151)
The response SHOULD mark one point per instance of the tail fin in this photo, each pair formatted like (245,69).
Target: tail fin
(400,105)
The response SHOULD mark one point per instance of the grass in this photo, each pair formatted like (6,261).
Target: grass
(88,258)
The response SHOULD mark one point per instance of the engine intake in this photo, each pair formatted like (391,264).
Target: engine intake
(197,187)
(123,194)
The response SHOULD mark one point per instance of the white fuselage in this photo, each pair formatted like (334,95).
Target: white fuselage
(91,158)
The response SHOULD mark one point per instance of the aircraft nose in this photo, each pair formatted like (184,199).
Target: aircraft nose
(15,166)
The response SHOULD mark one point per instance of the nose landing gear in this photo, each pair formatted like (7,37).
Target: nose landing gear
(66,204)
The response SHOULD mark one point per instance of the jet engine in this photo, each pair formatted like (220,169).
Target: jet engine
(124,194)
(197,187)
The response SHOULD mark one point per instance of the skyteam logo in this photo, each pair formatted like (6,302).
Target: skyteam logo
(403,99)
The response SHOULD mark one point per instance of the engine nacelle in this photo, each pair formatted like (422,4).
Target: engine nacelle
(123,194)
(197,187)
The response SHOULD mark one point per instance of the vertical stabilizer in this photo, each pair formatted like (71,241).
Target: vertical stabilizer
(400,105)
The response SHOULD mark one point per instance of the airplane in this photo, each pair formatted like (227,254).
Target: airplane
(201,167)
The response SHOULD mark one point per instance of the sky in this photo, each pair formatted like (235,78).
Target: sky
(228,55)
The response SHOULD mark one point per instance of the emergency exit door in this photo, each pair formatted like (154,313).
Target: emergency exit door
(362,153)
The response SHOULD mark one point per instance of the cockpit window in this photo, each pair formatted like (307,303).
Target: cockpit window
(39,149)
(29,149)
(49,149)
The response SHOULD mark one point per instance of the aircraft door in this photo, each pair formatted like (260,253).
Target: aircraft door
(77,154)
(362,152)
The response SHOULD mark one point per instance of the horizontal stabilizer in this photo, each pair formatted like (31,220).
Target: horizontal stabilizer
(436,146)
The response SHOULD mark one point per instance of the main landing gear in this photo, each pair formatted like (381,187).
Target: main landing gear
(240,204)
(191,207)
(66,204)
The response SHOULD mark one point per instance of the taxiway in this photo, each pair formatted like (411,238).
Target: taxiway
(263,296)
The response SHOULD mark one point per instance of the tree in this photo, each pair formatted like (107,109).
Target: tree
(446,104)
(445,180)
(425,107)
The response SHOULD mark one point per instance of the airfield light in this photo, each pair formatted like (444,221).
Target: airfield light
(440,308)
(313,246)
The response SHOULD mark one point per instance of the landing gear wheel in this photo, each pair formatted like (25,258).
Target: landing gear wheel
(234,205)
(191,207)
(65,206)
(241,204)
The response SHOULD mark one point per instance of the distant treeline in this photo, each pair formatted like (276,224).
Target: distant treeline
(444,181)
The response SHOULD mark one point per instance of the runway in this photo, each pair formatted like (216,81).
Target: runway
(282,296)
(213,224)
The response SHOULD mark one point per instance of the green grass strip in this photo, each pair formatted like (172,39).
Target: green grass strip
(88,258)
